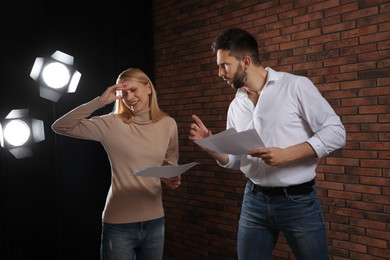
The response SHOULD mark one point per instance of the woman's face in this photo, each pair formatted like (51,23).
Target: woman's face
(136,95)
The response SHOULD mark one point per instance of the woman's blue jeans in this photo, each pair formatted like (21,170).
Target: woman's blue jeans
(140,240)
(299,217)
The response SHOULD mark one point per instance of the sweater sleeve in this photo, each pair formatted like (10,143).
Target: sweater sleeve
(76,124)
(172,155)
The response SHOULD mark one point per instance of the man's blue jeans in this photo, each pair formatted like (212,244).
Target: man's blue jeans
(140,240)
(299,217)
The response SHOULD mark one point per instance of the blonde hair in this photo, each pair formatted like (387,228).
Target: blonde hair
(137,75)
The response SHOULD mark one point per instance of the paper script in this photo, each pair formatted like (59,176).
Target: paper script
(232,142)
(167,171)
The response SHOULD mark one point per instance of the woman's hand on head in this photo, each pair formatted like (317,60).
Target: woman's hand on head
(112,93)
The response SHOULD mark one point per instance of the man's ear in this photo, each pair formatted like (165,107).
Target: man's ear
(247,61)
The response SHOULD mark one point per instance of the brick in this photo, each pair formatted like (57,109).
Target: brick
(358,66)
(366,206)
(377,252)
(350,246)
(341,8)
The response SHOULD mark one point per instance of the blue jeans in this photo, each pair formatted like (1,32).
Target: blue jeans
(140,240)
(299,217)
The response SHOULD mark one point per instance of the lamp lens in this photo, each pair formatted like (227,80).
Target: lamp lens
(16,132)
(56,75)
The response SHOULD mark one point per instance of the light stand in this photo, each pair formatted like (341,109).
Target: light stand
(6,234)
(56,76)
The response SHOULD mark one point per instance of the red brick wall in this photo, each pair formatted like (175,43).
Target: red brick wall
(344,48)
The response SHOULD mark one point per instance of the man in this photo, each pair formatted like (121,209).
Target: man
(297,126)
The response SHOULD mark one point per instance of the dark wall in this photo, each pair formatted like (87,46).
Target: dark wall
(52,202)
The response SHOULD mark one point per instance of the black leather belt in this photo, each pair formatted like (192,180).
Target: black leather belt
(298,189)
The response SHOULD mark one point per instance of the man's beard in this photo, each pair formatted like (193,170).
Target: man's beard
(240,78)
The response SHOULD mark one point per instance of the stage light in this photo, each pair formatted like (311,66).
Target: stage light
(55,75)
(18,132)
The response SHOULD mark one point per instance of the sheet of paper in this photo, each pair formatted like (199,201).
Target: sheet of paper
(234,143)
(165,171)
(207,142)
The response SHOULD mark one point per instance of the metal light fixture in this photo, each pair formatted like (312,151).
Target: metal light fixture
(55,75)
(18,132)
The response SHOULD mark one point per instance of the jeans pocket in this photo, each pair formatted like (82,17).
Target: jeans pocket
(304,198)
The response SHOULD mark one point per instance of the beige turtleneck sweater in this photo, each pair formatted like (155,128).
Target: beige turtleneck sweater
(130,147)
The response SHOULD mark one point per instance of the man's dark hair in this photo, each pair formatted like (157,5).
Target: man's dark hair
(239,42)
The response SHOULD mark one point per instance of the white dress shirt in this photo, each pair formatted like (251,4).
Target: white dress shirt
(290,110)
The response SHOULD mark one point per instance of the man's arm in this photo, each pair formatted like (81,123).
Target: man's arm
(277,156)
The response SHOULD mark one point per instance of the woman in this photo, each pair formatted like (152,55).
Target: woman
(136,135)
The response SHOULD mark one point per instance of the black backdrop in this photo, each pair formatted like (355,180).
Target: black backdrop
(51,203)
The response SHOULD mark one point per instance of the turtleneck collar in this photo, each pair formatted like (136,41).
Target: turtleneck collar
(142,117)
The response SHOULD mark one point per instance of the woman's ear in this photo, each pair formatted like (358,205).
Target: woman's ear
(149,86)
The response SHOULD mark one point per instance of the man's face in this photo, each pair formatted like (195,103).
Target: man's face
(230,69)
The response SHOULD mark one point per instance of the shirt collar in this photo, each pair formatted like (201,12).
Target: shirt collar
(272,76)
